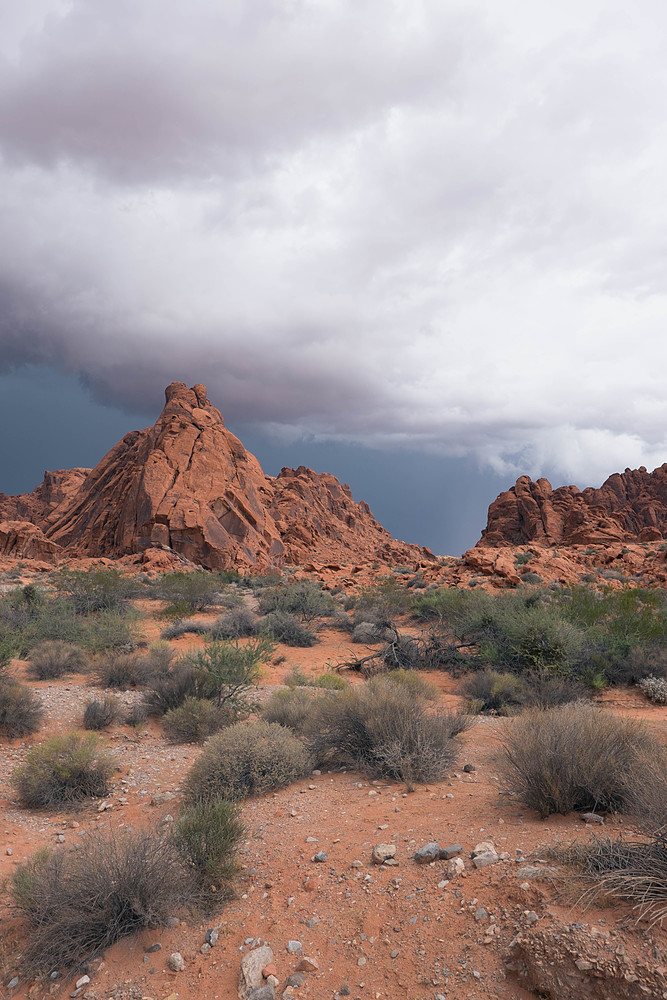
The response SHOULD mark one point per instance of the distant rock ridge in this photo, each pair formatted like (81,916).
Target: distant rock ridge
(629,507)
(188,486)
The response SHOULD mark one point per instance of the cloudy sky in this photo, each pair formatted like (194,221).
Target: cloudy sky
(423,241)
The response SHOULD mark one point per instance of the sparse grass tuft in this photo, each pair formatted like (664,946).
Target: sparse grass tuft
(207,837)
(101,712)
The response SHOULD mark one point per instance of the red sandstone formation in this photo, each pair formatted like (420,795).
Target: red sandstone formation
(188,486)
(629,507)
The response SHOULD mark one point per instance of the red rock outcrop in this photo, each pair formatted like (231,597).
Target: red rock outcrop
(24,540)
(629,507)
(189,487)
(36,506)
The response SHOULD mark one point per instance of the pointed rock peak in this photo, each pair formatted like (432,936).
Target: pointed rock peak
(179,400)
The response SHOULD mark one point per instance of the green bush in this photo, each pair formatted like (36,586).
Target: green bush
(207,837)
(413,682)
(62,770)
(96,589)
(198,590)
(229,670)
(574,757)
(194,721)
(303,599)
(24,623)
(289,708)
(79,903)
(51,659)
(101,712)
(385,730)
(246,759)
(286,628)
(20,708)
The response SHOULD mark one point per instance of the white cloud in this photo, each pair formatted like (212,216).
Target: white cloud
(433,224)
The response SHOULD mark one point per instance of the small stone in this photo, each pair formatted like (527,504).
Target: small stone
(391,862)
(454,867)
(382,853)
(212,936)
(320,857)
(450,851)
(481,914)
(272,981)
(484,847)
(161,798)
(362,960)
(344,990)
(61,838)
(294,947)
(270,970)
(264,992)
(592,817)
(167,819)
(251,978)
(469,768)
(297,979)
(312,922)
(83,981)
(13,983)
(307,965)
(427,853)
(483,860)
(311,840)
(205,948)
(531,916)
(9,852)
(176,962)
(395,953)
(156,946)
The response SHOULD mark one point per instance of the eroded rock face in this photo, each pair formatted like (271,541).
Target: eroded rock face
(582,961)
(188,486)
(629,506)
(23,540)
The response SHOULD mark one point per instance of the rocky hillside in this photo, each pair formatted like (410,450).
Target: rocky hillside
(629,507)
(187,487)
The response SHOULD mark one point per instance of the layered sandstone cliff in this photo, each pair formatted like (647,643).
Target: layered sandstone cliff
(187,485)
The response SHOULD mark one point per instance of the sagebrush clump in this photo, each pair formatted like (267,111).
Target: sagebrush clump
(101,712)
(63,770)
(20,708)
(195,720)
(246,759)
(54,658)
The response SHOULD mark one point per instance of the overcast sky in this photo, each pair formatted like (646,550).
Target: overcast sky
(421,230)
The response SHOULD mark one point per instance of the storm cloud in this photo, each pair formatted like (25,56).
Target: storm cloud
(427,224)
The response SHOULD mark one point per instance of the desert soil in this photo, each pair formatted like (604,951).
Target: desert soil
(397,932)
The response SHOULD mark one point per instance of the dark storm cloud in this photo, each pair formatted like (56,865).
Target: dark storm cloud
(433,225)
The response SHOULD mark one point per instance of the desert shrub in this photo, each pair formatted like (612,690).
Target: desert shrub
(194,721)
(328,680)
(289,708)
(20,708)
(157,660)
(196,590)
(655,689)
(633,871)
(119,670)
(382,602)
(303,599)
(8,649)
(546,690)
(246,759)
(54,658)
(169,688)
(238,623)
(96,589)
(101,712)
(185,627)
(402,653)
(286,628)
(62,770)
(493,691)
(228,670)
(297,677)
(372,632)
(136,715)
(24,623)
(383,729)
(574,757)
(521,558)
(79,903)
(531,578)
(207,836)
(412,682)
